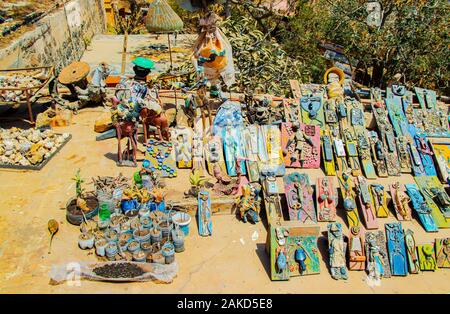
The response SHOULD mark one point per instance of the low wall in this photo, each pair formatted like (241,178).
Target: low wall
(59,38)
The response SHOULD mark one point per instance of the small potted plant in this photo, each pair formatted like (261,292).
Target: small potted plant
(83,206)
(100,247)
(197,183)
(86,240)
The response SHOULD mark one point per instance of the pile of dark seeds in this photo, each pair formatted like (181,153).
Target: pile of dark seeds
(122,270)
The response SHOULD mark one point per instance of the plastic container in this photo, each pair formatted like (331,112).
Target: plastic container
(100,246)
(182,220)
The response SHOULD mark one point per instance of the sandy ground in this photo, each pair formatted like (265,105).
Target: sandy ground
(232,260)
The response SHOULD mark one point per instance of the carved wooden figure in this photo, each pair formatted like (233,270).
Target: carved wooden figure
(427,258)
(378,155)
(357,256)
(377,257)
(292,112)
(336,249)
(396,248)
(214,154)
(379,200)
(365,201)
(326,199)
(401,202)
(426,154)
(411,250)
(272,202)
(403,154)
(340,154)
(270,150)
(443,253)
(420,206)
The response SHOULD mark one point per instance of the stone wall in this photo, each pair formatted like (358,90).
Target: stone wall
(59,38)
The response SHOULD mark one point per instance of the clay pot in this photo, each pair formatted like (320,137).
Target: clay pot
(86,240)
(133,246)
(100,246)
(73,213)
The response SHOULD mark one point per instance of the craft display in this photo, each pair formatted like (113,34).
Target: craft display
(250,140)
(426,154)
(435,200)
(301,145)
(292,112)
(327,154)
(204,214)
(348,197)
(352,152)
(182,140)
(232,148)
(427,98)
(398,258)
(378,154)
(336,249)
(299,197)
(401,202)
(341,155)
(293,251)
(442,158)
(272,202)
(443,253)
(413,259)
(326,200)
(312,110)
(378,194)
(366,203)
(420,206)
(214,156)
(357,257)
(270,150)
(427,259)
(395,96)
(160,158)
(403,154)
(249,203)
(377,257)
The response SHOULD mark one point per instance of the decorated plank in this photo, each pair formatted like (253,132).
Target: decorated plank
(443,253)
(432,122)
(270,151)
(377,257)
(398,258)
(394,104)
(299,197)
(232,148)
(295,89)
(352,152)
(427,98)
(293,251)
(366,203)
(348,196)
(340,154)
(204,214)
(327,154)
(272,202)
(436,191)
(416,161)
(214,154)
(357,256)
(421,208)
(426,155)
(312,110)
(182,140)
(425,184)
(198,161)
(327,199)
(411,251)
(442,158)
(427,258)
(292,112)
(403,154)
(378,154)
(401,202)
(160,158)
(378,194)
(336,250)
(331,117)
(250,140)
(364,150)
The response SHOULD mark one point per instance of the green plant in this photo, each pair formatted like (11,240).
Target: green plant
(78,181)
